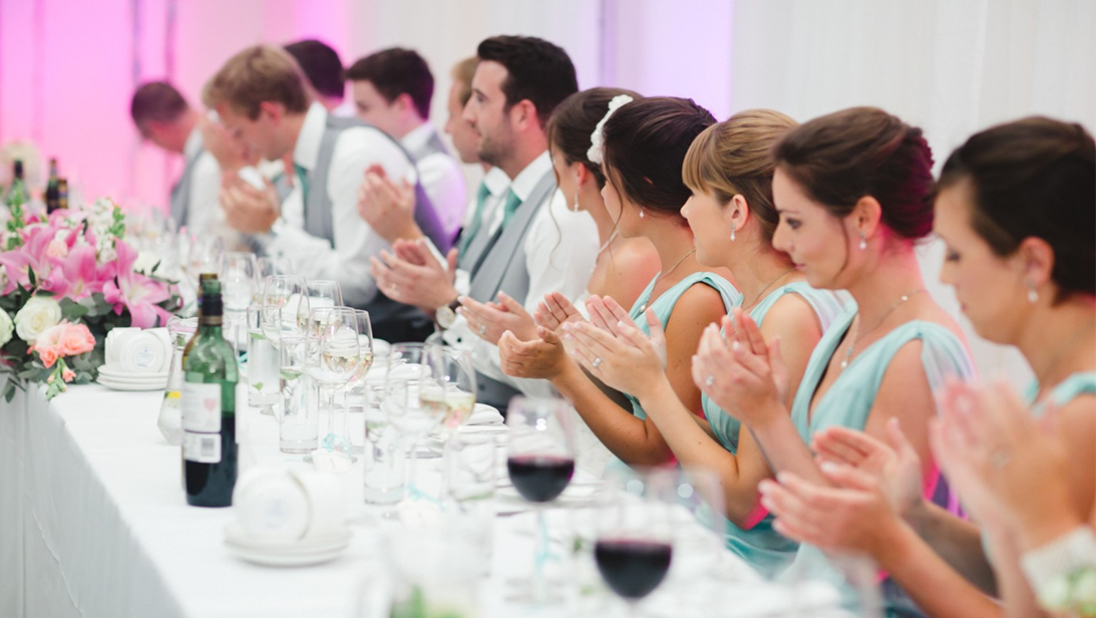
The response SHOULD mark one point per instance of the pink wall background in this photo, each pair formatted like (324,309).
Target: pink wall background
(69,67)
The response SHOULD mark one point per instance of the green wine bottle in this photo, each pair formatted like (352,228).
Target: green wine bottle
(209,408)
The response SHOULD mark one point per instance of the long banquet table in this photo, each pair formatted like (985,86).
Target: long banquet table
(93,522)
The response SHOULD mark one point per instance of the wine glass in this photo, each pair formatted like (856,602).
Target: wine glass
(634,546)
(203,255)
(283,296)
(237,275)
(452,372)
(540,459)
(411,399)
(265,267)
(333,359)
(365,362)
(319,293)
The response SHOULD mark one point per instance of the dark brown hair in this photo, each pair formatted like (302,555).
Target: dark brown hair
(645,145)
(575,119)
(156,102)
(1034,177)
(734,157)
(537,71)
(394,72)
(858,152)
(321,65)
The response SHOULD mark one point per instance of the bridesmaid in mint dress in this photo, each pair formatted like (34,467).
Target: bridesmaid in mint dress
(644,145)
(1016,207)
(729,170)
(852,189)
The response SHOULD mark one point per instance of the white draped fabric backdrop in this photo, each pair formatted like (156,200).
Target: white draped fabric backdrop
(68,67)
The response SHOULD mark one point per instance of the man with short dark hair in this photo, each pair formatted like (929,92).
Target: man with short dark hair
(530,243)
(260,96)
(164,118)
(392,90)
(323,69)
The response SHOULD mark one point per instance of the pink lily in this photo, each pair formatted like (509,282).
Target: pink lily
(79,275)
(135,292)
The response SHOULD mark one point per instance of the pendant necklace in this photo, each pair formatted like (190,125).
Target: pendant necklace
(662,276)
(856,329)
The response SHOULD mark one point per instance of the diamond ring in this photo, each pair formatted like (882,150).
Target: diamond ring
(482,329)
(999,458)
(597,361)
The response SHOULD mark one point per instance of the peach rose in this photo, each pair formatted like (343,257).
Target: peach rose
(76,339)
(48,344)
(67,375)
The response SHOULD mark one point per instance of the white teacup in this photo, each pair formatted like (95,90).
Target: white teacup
(138,351)
(271,506)
(326,496)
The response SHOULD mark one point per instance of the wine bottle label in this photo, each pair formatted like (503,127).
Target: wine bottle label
(202,407)
(202,448)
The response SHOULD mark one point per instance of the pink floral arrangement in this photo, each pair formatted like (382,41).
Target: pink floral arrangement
(65,281)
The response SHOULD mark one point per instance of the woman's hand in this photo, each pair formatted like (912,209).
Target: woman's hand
(625,359)
(896,465)
(490,320)
(854,515)
(543,357)
(555,311)
(746,378)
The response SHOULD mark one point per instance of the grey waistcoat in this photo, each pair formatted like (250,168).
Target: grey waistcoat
(496,262)
(318,219)
(180,193)
(433,146)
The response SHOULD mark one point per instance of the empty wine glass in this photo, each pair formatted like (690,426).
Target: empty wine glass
(540,458)
(266,266)
(283,296)
(365,362)
(319,293)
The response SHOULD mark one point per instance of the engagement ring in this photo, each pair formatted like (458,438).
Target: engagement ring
(597,361)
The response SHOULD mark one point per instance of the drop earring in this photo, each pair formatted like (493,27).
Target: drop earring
(863,241)
(1032,295)
(641,214)
(732,231)
(574,207)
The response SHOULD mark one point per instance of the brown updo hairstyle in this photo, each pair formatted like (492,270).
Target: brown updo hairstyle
(858,152)
(734,157)
(575,119)
(1033,177)
(645,145)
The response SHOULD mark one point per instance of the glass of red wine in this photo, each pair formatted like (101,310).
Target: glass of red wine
(541,460)
(634,545)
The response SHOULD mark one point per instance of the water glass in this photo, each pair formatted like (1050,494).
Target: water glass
(180,330)
(262,364)
(299,424)
(471,467)
(384,460)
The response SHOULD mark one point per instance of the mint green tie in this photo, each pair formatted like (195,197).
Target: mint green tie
(302,174)
(512,203)
(468,234)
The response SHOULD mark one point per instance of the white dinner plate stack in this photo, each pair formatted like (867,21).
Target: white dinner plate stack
(121,381)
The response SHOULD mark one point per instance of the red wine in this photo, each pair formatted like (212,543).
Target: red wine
(538,478)
(633,568)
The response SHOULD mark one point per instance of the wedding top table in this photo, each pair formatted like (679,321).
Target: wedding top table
(94,523)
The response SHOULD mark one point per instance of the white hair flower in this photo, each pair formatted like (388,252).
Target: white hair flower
(596,153)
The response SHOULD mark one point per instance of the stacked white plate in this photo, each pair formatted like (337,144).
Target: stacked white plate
(121,381)
(301,552)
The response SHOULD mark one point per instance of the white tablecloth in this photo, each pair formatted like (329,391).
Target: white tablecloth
(94,523)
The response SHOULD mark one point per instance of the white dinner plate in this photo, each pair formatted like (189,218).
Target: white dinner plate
(286,560)
(298,553)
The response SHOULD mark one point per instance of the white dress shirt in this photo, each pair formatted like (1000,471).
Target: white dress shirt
(347,262)
(204,214)
(560,253)
(441,177)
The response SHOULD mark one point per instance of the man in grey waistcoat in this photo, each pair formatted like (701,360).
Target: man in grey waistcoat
(527,242)
(260,96)
(392,90)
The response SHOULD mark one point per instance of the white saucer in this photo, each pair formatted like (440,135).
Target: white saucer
(298,553)
(118,374)
(154,385)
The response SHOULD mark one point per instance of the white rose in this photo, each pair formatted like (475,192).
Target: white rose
(5,327)
(36,316)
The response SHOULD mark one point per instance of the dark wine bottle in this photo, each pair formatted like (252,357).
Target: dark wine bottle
(62,193)
(53,190)
(209,408)
(17,192)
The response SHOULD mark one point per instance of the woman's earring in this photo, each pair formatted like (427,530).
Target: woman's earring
(1033,296)
(574,207)
(641,215)
(732,231)
(863,241)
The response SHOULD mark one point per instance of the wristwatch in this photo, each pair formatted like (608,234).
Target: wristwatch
(447,314)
